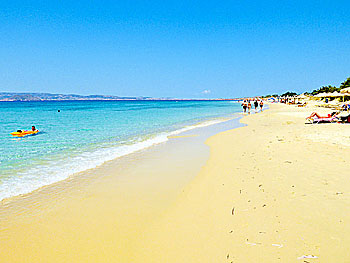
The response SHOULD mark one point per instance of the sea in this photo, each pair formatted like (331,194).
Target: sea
(78,135)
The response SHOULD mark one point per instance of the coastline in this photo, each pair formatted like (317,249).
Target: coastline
(102,211)
(71,166)
(274,190)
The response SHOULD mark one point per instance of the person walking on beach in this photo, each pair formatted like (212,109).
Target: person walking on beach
(249,106)
(244,105)
(261,105)
(256,104)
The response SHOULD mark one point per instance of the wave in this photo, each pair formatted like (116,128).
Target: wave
(58,170)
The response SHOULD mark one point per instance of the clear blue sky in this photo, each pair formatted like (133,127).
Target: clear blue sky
(173,48)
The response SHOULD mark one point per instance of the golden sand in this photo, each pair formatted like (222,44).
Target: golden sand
(276,190)
(100,215)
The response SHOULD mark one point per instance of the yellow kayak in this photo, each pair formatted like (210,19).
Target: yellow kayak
(23,133)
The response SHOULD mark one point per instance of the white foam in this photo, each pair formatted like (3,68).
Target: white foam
(57,170)
(199,125)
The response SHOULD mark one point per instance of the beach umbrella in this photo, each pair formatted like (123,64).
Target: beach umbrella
(336,94)
(346,90)
(321,95)
(328,95)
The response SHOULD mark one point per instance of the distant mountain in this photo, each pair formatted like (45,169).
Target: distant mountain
(12,96)
(8,96)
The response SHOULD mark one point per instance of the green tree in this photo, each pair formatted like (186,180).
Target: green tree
(288,93)
(345,84)
(326,89)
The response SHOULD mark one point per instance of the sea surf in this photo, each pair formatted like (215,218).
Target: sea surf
(79,135)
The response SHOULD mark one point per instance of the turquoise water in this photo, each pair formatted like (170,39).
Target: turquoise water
(85,134)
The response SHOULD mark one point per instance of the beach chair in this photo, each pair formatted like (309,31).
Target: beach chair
(344,119)
(315,118)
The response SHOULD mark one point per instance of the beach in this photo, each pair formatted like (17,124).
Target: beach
(273,190)
(75,136)
(175,132)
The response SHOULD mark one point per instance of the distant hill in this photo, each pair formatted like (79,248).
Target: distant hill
(8,96)
(12,96)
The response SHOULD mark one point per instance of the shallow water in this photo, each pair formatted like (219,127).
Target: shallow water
(85,134)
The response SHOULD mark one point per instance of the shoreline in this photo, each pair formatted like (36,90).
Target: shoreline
(271,190)
(117,152)
(268,193)
(111,204)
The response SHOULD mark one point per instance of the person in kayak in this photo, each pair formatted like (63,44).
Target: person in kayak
(33,128)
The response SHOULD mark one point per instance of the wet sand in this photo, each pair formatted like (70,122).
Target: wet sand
(276,190)
(101,215)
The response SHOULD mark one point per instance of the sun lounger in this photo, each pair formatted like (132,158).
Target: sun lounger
(316,118)
(344,119)
(324,120)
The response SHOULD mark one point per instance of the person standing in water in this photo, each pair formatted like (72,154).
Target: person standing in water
(244,105)
(249,106)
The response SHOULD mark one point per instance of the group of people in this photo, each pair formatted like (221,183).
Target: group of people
(247,105)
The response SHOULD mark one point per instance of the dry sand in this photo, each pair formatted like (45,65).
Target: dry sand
(273,191)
